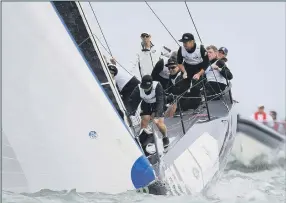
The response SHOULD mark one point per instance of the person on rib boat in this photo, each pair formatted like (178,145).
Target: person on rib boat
(152,95)
(149,55)
(261,116)
(217,73)
(277,125)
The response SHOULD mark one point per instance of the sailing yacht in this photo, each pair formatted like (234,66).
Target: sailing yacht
(57,115)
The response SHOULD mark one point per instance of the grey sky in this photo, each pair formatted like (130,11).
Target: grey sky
(254,33)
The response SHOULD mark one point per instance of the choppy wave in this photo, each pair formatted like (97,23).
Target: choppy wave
(261,181)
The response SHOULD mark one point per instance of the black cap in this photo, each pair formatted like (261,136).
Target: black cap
(112,68)
(187,37)
(144,34)
(146,82)
(224,50)
(171,62)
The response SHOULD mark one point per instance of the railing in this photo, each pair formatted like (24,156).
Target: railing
(278,126)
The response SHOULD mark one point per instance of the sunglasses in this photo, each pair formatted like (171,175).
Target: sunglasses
(221,52)
(145,36)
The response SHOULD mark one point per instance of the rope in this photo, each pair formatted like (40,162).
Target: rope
(111,55)
(181,95)
(201,43)
(112,83)
(193,21)
(162,23)
(173,36)
(118,94)
(100,28)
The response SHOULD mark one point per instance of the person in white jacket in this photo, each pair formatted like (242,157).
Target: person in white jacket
(149,55)
(125,81)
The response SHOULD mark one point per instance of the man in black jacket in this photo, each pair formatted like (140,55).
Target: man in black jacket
(152,106)
(178,87)
(217,73)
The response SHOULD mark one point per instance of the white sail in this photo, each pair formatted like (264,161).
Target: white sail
(60,130)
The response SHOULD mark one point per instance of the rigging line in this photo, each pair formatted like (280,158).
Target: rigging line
(178,97)
(100,29)
(109,52)
(162,23)
(166,90)
(112,83)
(170,32)
(111,55)
(201,42)
(193,22)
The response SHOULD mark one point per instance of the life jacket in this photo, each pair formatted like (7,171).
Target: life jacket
(150,98)
(214,75)
(122,78)
(192,58)
(263,116)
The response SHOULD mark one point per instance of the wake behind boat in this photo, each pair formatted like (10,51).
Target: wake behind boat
(53,145)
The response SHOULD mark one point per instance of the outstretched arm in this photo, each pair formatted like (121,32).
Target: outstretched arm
(157,69)
(166,51)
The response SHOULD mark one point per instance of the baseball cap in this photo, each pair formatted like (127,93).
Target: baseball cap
(146,82)
(187,37)
(260,106)
(171,62)
(144,34)
(112,68)
(224,50)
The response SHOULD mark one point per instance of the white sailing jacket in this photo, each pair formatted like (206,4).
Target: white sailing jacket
(146,59)
(122,78)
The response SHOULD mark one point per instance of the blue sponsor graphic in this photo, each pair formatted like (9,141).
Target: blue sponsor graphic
(92,134)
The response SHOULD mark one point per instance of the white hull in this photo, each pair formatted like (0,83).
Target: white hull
(197,166)
(51,102)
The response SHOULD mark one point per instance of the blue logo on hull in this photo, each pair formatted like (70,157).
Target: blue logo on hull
(92,134)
